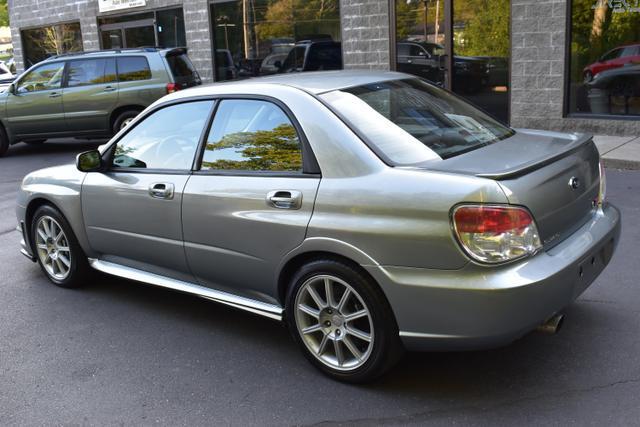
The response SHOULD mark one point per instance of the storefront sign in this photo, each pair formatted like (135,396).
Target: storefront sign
(109,5)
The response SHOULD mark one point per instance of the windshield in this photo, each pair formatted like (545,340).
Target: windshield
(410,121)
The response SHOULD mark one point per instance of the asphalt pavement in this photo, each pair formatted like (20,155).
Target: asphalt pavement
(121,353)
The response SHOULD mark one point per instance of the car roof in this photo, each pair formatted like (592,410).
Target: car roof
(316,82)
(112,52)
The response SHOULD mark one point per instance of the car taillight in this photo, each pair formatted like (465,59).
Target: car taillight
(172,87)
(602,193)
(495,234)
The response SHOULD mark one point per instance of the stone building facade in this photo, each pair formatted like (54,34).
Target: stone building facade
(538,77)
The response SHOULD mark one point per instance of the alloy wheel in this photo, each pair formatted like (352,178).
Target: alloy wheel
(53,248)
(334,322)
(126,122)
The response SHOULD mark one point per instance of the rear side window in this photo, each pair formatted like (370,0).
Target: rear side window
(324,57)
(252,135)
(91,71)
(132,68)
(181,66)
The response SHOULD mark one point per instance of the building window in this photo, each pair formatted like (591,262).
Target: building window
(162,28)
(260,37)
(41,43)
(604,63)
(469,57)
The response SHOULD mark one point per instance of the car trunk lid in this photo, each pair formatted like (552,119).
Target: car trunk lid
(556,176)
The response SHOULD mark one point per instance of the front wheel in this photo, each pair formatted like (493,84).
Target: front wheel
(342,321)
(57,249)
(123,120)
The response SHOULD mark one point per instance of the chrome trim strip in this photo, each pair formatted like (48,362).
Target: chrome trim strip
(264,309)
(405,334)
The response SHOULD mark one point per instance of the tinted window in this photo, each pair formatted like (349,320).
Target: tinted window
(295,59)
(133,68)
(167,139)
(252,135)
(44,77)
(612,55)
(91,71)
(181,67)
(324,57)
(417,51)
(403,49)
(410,121)
(41,43)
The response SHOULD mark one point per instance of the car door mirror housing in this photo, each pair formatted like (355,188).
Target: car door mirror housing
(12,89)
(89,161)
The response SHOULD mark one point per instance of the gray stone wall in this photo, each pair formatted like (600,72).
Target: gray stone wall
(365,33)
(21,15)
(538,70)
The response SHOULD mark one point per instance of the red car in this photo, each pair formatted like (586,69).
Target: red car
(613,59)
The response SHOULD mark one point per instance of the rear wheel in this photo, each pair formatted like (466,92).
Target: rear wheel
(57,249)
(342,321)
(123,120)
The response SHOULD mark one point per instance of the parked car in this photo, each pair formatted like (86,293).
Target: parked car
(427,60)
(615,58)
(312,55)
(6,77)
(615,91)
(93,94)
(307,199)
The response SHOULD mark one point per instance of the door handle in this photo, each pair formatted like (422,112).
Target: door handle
(285,199)
(109,89)
(55,95)
(161,190)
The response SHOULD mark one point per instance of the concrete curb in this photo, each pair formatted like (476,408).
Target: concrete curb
(619,152)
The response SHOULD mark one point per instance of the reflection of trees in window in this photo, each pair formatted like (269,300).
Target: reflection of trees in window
(264,150)
(596,31)
(45,42)
(484,28)
(291,18)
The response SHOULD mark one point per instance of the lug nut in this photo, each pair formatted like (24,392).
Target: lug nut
(330,311)
(327,323)
(338,332)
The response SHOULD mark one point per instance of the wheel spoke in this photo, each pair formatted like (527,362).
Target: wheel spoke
(42,234)
(63,248)
(42,246)
(47,228)
(357,315)
(58,236)
(308,310)
(328,289)
(316,298)
(352,348)
(323,344)
(60,266)
(64,260)
(359,334)
(311,329)
(343,300)
(339,354)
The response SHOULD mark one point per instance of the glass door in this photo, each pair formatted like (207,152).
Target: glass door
(139,33)
(463,46)
(421,41)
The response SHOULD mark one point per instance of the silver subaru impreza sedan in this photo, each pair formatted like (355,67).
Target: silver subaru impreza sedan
(371,211)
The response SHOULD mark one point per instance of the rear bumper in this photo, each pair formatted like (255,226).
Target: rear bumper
(481,307)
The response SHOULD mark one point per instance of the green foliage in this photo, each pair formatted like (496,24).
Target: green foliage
(486,29)
(4,14)
(265,150)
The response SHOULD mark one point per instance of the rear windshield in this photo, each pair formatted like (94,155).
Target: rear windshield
(181,66)
(409,121)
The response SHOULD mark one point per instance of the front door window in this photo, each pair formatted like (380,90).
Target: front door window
(45,77)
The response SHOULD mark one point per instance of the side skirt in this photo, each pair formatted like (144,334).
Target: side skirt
(264,309)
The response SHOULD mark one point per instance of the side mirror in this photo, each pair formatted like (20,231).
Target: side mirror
(277,64)
(89,161)
(12,89)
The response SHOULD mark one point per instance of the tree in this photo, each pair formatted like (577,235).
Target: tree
(4,14)
(486,29)
(277,149)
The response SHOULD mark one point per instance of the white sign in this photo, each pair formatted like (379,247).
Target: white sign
(109,5)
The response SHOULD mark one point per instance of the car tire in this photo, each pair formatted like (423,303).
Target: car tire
(123,119)
(4,142)
(349,349)
(57,250)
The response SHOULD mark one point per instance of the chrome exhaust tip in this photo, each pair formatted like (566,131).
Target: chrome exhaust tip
(552,325)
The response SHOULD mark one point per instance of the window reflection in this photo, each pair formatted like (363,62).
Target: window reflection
(45,42)
(260,37)
(605,58)
(252,135)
